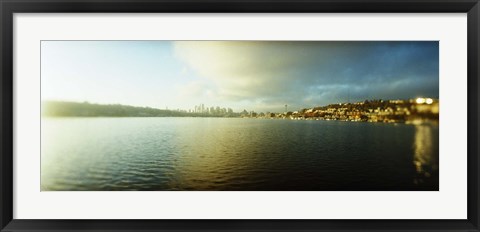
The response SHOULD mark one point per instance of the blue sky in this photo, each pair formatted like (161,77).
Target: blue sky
(252,75)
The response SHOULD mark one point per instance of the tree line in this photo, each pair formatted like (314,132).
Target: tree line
(86,109)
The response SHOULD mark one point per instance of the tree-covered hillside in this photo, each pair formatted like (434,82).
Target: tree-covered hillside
(85,109)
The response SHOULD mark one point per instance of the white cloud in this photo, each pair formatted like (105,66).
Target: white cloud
(239,69)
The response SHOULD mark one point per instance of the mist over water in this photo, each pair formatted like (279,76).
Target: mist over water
(236,154)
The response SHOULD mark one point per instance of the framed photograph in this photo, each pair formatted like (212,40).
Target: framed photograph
(247,116)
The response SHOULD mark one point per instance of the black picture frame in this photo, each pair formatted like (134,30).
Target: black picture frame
(9,7)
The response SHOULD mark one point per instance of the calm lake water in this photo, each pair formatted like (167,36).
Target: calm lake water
(236,154)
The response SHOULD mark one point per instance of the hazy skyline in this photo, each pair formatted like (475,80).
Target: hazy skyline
(252,75)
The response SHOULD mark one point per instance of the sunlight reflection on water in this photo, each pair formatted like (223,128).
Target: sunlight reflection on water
(425,153)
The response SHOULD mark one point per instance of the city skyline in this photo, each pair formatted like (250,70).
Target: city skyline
(260,76)
(390,106)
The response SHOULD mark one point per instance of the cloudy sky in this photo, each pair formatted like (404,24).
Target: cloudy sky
(251,75)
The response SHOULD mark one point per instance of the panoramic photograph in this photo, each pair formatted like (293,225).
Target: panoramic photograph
(239,115)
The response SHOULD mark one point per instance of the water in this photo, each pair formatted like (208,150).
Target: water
(236,154)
